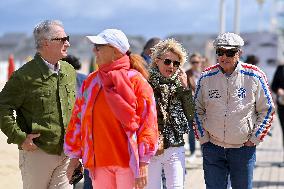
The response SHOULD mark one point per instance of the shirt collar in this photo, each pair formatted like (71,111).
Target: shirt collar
(53,68)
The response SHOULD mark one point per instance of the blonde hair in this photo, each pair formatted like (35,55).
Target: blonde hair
(168,45)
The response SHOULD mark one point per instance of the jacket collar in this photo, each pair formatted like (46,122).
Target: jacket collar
(45,71)
(42,66)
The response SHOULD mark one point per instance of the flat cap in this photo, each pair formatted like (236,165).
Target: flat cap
(228,41)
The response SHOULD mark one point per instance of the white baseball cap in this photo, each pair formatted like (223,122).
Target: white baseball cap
(114,37)
(228,41)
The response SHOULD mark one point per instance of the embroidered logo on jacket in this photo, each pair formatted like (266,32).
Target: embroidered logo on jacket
(214,93)
(241,92)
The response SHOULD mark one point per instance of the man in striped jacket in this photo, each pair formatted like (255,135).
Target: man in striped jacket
(234,110)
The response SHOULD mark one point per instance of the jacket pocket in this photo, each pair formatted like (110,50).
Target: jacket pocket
(47,102)
(40,123)
(42,102)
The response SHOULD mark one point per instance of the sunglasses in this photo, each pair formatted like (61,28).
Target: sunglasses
(195,62)
(98,46)
(62,39)
(168,62)
(229,53)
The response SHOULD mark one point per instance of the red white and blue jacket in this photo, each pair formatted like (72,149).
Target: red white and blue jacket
(231,110)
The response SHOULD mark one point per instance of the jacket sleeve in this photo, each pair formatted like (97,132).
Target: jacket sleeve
(185,95)
(72,141)
(265,110)
(147,134)
(200,133)
(11,98)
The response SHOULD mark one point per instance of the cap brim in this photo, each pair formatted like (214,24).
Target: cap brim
(97,40)
(227,47)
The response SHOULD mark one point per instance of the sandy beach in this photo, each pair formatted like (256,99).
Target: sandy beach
(10,176)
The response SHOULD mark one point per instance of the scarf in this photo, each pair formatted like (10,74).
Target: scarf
(119,92)
(174,120)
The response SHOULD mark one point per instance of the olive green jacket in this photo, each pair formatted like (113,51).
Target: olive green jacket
(43,102)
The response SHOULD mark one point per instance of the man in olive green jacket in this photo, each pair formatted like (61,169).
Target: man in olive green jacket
(42,93)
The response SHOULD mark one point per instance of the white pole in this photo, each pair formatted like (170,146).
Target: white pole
(222,16)
(260,2)
(273,19)
(237,17)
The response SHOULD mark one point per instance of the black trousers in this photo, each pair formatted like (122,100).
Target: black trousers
(281,118)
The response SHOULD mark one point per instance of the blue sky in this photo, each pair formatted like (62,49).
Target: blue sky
(136,17)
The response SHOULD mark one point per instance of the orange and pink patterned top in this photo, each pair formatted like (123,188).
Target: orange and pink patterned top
(142,142)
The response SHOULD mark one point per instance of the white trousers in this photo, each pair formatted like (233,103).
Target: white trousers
(43,171)
(173,162)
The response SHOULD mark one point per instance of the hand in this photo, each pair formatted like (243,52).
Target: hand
(28,144)
(183,78)
(249,143)
(141,182)
(74,163)
(280,92)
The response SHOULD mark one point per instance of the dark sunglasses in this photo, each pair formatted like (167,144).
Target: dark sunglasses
(168,62)
(62,39)
(229,53)
(98,46)
(195,62)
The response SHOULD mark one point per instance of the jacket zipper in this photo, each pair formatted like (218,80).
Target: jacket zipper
(93,140)
(227,104)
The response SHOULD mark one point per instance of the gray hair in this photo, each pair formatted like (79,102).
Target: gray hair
(43,30)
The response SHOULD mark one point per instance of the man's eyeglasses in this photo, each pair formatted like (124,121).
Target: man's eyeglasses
(168,62)
(62,39)
(229,53)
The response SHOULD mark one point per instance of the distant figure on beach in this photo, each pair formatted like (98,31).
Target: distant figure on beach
(147,49)
(252,59)
(193,75)
(278,88)
(42,93)
(234,111)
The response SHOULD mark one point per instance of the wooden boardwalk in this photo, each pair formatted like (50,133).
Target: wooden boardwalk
(269,170)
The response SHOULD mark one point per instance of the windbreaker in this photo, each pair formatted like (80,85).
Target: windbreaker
(233,109)
(143,143)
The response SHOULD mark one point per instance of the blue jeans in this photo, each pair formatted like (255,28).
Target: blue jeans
(87,180)
(219,162)
(191,139)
